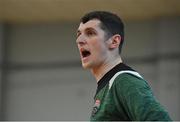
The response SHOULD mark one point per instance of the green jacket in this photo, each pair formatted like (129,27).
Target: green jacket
(122,94)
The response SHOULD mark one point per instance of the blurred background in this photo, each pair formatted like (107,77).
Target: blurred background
(41,77)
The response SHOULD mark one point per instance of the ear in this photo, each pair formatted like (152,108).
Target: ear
(115,41)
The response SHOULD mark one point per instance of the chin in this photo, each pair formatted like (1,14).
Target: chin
(86,66)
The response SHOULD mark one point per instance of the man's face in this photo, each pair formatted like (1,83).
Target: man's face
(92,44)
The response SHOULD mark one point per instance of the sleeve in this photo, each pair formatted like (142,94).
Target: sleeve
(137,99)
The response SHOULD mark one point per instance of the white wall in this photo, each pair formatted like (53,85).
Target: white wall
(53,94)
(169,69)
(1,40)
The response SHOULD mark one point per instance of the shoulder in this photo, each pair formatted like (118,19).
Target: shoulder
(128,77)
(129,82)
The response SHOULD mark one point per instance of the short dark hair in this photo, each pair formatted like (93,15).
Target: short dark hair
(110,23)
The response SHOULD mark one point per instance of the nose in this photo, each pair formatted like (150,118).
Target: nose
(81,41)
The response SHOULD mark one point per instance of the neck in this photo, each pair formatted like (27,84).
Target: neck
(101,70)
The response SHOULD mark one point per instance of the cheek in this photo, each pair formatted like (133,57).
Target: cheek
(98,48)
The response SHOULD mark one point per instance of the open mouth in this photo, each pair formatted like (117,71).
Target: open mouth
(85,53)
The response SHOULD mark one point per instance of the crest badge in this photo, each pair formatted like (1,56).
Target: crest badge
(96,107)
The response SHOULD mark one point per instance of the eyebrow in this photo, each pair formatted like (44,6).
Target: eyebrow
(88,28)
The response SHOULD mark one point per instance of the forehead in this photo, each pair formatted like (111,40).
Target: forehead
(90,24)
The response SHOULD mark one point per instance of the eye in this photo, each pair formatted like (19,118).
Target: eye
(78,34)
(90,33)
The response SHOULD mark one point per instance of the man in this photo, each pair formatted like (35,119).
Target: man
(122,94)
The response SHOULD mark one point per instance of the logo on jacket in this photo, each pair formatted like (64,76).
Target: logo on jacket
(96,107)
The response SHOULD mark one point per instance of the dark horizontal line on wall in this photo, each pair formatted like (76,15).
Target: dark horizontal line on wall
(42,65)
(153,59)
(77,63)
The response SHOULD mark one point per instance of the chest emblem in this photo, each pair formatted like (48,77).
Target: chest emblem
(96,107)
